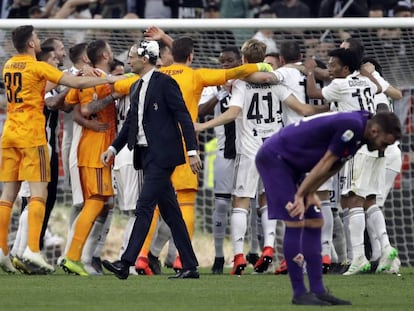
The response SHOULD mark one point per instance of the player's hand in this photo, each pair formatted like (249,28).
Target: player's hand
(107,157)
(367,69)
(264,67)
(97,126)
(198,127)
(309,64)
(195,164)
(89,71)
(222,94)
(154,33)
(296,208)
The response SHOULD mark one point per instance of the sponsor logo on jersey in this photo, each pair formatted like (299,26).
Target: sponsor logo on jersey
(347,136)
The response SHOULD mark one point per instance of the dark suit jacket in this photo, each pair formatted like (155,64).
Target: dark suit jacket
(164,115)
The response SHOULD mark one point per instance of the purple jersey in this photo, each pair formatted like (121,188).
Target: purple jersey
(304,143)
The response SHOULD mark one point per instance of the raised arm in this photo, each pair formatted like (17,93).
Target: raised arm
(156,33)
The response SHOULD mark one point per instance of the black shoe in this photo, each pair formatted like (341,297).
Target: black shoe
(338,268)
(374,266)
(309,299)
(186,274)
(332,299)
(252,258)
(218,265)
(97,264)
(154,263)
(119,268)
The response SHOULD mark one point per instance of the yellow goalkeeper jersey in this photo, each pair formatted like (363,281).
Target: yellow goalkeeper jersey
(192,82)
(25,81)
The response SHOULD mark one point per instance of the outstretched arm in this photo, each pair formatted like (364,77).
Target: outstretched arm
(226,117)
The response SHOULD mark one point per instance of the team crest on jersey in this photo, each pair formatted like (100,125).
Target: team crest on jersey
(347,136)
(155,106)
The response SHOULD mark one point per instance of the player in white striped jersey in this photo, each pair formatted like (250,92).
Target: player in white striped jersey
(215,99)
(375,222)
(257,109)
(365,172)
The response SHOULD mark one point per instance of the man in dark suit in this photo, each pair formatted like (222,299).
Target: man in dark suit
(156,123)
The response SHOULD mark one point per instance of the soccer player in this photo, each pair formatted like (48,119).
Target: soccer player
(258,111)
(96,179)
(24,147)
(322,144)
(215,100)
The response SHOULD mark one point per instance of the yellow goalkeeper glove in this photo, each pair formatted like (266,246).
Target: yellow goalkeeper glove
(264,67)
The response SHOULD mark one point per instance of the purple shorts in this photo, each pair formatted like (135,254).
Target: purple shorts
(281,183)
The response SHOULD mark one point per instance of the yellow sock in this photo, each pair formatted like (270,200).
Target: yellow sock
(147,243)
(186,199)
(5,215)
(90,211)
(36,210)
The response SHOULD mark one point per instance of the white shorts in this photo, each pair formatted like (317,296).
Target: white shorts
(129,183)
(246,177)
(223,174)
(327,185)
(365,174)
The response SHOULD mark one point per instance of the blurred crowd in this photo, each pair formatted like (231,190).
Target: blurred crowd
(203,8)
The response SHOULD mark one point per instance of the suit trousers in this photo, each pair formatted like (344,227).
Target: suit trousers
(157,189)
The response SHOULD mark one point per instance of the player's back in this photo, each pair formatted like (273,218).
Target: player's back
(293,79)
(355,92)
(261,113)
(303,144)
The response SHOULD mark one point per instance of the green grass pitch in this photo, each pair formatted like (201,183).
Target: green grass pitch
(60,292)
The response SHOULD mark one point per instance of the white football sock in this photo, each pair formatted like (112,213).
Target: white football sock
(356,229)
(339,240)
(238,229)
(327,228)
(221,208)
(269,228)
(376,222)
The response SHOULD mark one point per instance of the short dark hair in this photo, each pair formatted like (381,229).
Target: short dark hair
(182,48)
(49,42)
(232,49)
(290,51)
(21,36)
(347,58)
(116,62)
(389,123)
(272,54)
(356,46)
(95,49)
(76,51)
(44,53)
